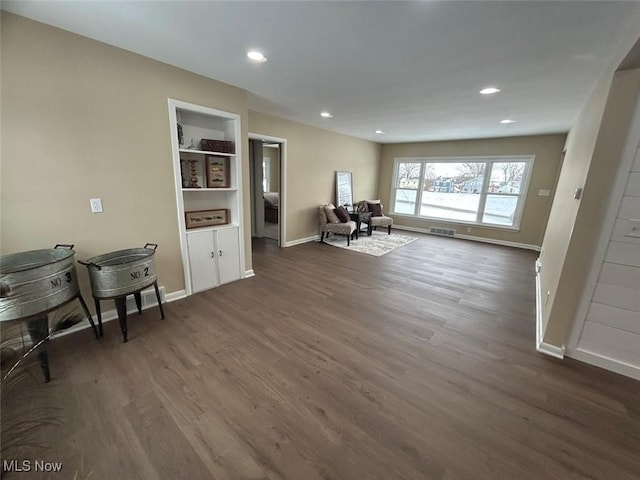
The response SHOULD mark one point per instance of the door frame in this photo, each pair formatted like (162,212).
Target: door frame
(282,216)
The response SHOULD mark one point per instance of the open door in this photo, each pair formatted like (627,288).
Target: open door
(266,185)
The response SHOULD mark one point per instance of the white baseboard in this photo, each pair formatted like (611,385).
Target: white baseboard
(173,296)
(542,347)
(504,243)
(607,363)
(551,350)
(148,301)
(493,241)
(249,274)
(300,241)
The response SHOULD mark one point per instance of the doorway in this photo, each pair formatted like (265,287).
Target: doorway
(267,156)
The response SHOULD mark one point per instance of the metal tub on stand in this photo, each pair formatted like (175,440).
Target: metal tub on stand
(35,283)
(117,274)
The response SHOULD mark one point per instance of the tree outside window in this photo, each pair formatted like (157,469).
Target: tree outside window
(469,190)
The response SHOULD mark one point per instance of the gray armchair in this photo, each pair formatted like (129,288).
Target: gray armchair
(376,221)
(327,227)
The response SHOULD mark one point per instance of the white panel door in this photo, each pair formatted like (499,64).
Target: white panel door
(228,254)
(630,207)
(623,253)
(202,261)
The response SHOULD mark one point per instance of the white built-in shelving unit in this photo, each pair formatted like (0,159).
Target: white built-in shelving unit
(212,254)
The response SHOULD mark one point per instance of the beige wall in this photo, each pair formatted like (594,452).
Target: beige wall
(81,119)
(313,156)
(593,155)
(548,155)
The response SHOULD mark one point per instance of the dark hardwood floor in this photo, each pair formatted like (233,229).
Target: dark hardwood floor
(330,364)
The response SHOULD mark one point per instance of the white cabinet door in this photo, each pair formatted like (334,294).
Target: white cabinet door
(228,254)
(202,261)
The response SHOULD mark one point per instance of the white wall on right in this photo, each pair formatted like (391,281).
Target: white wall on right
(611,329)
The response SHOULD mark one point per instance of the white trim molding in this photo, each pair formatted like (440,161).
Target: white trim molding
(493,241)
(177,295)
(282,209)
(249,273)
(148,301)
(605,362)
(542,347)
(314,238)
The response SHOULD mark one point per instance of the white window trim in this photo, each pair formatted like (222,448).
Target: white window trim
(489,159)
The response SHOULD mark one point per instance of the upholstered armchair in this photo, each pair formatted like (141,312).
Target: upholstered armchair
(331,226)
(378,218)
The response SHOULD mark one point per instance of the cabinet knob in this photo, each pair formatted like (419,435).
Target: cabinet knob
(220,252)
(213,254)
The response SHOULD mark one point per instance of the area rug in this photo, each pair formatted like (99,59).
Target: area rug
(377,244)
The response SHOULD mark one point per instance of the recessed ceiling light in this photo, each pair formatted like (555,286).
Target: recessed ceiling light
(489,91)
(380,132)
(326,115)
(256,56)
(507,120)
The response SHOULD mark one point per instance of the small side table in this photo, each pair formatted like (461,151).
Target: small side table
(360,218)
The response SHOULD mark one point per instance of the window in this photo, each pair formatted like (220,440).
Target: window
(487,191)
(266,174)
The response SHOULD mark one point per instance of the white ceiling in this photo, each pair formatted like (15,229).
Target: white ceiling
(412,69)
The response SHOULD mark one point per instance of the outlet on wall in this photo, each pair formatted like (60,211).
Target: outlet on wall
(96,205)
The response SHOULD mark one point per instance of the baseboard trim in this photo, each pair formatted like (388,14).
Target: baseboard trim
(177,295)
(538,309)
(542,347)
(473,238)
(605,362)
(492,241)
(300,241)
(148,301)
(249,273)
(551,350)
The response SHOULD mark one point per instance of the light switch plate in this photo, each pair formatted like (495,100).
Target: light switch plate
(543,192)
(96,205)
(577,193)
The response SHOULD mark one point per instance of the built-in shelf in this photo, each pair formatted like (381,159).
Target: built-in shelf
(204,152)
(213,254)
(232,189)
(210,229)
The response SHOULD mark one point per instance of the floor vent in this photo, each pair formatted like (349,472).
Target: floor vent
(442,231)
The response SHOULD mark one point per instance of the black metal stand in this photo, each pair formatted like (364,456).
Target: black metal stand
(88,314)
(121,308)
(39,331)
(38,328)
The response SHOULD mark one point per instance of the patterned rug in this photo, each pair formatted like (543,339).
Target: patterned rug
(377,244)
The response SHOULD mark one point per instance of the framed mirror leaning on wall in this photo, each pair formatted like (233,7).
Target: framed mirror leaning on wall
(344,190)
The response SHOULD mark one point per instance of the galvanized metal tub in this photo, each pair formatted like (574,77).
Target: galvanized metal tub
(122,272)
(37,281)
